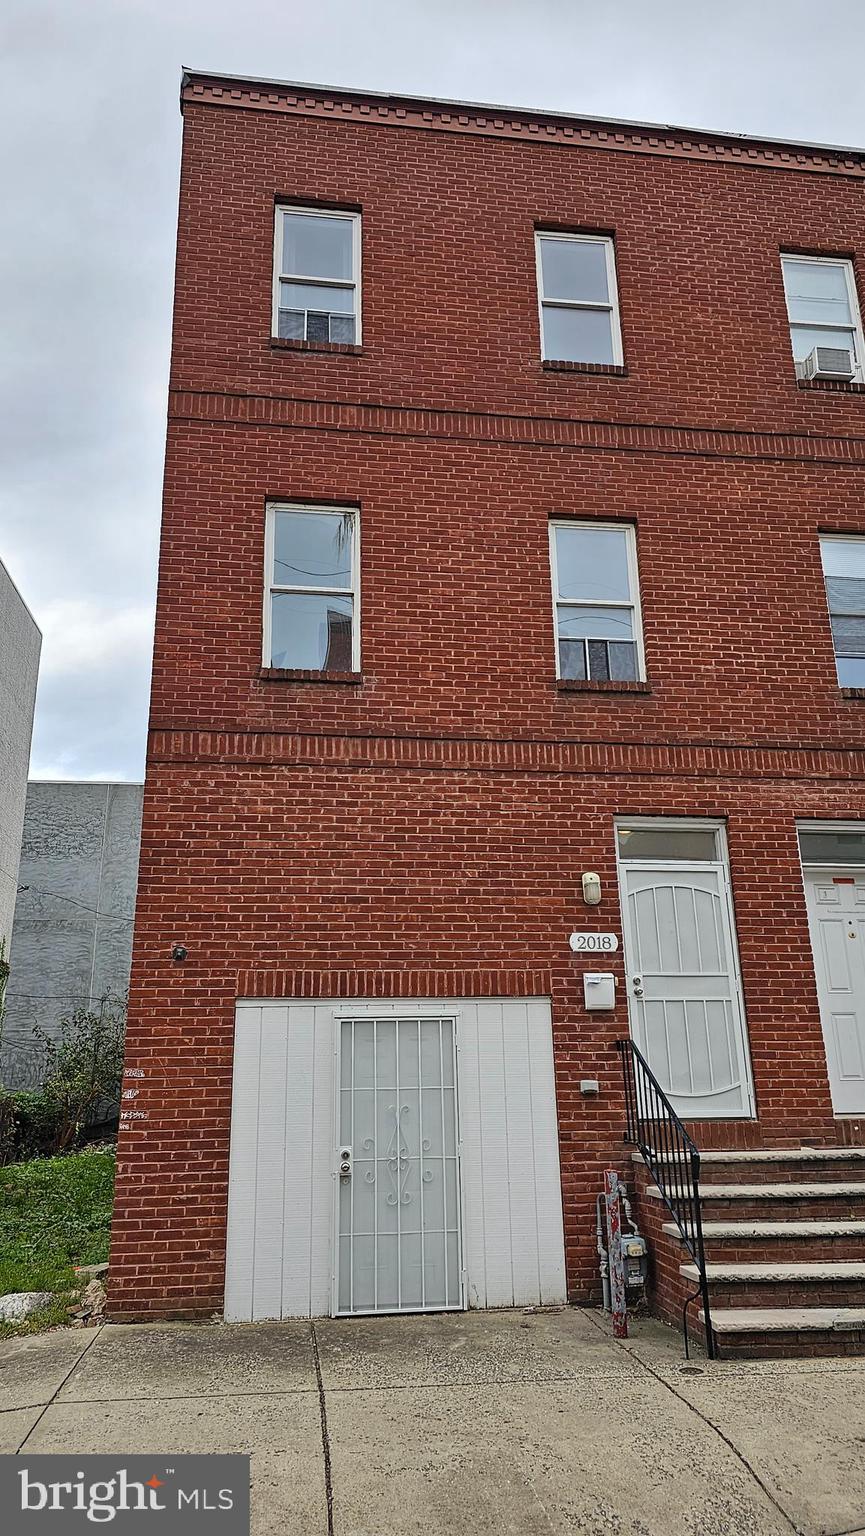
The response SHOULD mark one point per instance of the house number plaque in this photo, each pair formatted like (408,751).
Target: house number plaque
(594,943)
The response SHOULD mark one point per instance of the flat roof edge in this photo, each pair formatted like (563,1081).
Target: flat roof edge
(408,99)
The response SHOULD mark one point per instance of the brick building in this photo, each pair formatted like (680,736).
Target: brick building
(442,371)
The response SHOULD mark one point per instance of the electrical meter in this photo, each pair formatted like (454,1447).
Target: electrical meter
(636,1258)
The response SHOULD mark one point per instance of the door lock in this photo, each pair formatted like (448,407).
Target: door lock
(345,1162)
(638,985)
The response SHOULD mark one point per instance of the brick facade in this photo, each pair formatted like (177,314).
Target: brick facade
(421,830)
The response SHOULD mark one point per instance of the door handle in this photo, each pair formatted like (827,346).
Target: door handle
(638,985)
(345,1162)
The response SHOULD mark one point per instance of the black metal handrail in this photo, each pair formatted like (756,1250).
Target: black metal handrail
(673,1160)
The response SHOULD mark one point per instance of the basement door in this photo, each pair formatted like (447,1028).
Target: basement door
(836,912)
(398,1240)
(447,1111)
(684,998)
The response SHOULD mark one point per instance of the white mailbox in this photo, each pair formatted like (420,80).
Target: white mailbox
(599,989)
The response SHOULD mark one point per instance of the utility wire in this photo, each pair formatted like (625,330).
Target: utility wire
(120,917)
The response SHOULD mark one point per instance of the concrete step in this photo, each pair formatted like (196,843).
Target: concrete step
(775,1229)
(758,1241)
(763,1164)
(823,1282)
(849,1190)
(813,1273)
(813,1200)
(758,1332)
(776,1155)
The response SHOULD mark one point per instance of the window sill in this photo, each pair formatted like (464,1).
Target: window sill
(592,685)
(853,693)
(288,344)
(833,386)
(559,365)
(301,675)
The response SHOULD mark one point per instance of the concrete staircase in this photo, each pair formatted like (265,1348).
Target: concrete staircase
(784,1236)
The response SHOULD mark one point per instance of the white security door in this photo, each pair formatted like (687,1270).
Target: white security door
(683,995)
(836,910)
(398,1193)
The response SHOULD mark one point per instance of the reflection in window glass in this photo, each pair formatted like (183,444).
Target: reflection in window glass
(821,306)
(579,302)
(699,844)
(827,847)
(844,576)
(594,570)
(313,590)
(317,280)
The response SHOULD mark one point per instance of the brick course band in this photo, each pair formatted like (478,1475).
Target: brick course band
(544,757)
(494,427)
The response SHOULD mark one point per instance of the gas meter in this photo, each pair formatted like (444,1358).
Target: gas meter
(636,1259)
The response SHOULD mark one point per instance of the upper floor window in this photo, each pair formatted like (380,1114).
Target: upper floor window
(825,329)
(310,612)
(597,601)
(844,574)
(316,276)
(578,299)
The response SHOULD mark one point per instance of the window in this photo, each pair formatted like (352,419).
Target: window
(822,307)
(696,844)
(827,846)
(578,299)
(311,609)
(316,279)
(597,603)
(844,574)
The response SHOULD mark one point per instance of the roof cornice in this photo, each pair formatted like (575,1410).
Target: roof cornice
(339,103)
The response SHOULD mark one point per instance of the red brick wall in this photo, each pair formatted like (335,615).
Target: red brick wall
(424,832)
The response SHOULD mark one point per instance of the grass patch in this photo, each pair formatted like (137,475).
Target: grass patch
(55,1212)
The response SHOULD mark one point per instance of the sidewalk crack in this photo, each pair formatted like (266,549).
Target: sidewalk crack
(59,1388)
(325,1436)
(739,1455)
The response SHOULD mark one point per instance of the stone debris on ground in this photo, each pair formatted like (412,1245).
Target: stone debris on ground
(90,1306)
(19,1305)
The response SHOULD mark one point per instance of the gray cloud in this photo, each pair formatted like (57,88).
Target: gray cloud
(90,142)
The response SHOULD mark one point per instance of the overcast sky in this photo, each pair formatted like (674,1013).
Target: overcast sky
(89,147)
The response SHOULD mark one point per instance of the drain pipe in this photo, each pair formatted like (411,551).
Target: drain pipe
(603,1256)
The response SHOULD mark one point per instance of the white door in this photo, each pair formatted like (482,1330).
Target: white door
(836,911)
(398,1201)
(683,994)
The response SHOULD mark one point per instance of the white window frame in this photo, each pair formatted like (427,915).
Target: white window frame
(852,297)
(630,533)
(270,587)
(611,307)
(835,538)
(319,282)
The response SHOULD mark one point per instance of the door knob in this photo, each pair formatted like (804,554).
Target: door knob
(638,985)
(345,1162)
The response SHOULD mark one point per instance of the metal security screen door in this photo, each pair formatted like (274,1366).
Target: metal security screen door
(398,1245)
(836,909)
(683,994)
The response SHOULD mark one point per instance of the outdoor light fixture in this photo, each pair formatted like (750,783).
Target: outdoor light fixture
(591,889)
(179,953)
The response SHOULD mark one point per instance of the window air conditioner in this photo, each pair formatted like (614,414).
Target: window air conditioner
(829,363)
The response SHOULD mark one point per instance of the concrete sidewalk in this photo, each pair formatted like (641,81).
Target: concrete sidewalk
(477,1423)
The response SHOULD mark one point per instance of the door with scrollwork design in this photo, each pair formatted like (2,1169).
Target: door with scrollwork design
(398,1201)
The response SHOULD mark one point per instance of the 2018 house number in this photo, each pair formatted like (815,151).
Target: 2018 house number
(594,943)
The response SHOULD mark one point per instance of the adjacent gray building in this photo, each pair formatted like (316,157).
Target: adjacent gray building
(20,644)
(72,936)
